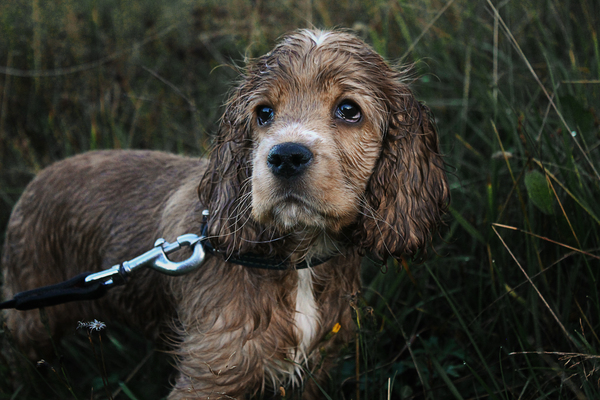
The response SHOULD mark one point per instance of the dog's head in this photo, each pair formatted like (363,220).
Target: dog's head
(322,137)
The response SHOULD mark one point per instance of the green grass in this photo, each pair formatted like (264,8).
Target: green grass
(507,306)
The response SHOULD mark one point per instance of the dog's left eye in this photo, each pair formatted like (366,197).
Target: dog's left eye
(264,115)
(348,111)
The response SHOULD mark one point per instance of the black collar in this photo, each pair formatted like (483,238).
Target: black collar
(254,260)
(262,262)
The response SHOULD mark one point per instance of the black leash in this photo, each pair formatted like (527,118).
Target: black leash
(90,286)
(75,289)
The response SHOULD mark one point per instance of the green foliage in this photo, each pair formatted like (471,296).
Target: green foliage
(539,192)
(507,306)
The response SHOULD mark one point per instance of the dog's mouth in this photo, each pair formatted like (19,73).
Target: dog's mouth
(294,198)
(292,210)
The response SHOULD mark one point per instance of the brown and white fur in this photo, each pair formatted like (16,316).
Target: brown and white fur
(359,171)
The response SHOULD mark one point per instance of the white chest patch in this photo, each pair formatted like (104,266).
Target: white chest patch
(307,320)
(307,315)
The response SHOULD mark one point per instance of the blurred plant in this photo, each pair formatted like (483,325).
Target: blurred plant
(506,307)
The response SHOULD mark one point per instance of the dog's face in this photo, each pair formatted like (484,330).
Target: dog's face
(316,137)
(323,136)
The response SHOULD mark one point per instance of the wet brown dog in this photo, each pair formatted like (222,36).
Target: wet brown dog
(322,152)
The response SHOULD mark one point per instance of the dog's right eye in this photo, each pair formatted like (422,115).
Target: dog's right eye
(264,115)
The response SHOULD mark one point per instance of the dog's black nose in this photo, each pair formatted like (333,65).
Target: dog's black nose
(287,160)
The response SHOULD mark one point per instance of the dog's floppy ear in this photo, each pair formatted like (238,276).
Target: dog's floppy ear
(408,191)
(224,188)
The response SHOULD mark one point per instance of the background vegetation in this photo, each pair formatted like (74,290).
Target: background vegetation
(507,308)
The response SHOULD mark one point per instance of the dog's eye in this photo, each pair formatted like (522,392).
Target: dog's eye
(264,115)
(348,111)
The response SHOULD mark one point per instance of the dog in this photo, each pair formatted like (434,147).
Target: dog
(323,155)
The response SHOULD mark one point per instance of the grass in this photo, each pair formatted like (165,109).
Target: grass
(506,308)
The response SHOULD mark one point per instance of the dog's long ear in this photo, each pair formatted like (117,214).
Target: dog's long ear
(224,188)
(408,191)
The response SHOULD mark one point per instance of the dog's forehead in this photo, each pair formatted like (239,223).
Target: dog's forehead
(319,62)
(319,55)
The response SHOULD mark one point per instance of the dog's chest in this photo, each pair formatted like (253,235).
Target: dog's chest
(307,315)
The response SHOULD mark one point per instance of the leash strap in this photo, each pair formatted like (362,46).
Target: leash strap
(75,289)
(90,286)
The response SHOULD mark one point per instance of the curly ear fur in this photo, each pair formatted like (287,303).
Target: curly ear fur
(408,191)
(225,189)
(225,186)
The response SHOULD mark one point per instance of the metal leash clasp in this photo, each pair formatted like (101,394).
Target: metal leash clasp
(157,260)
